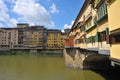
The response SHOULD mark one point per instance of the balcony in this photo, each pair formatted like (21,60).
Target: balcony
(102,18)
(98,3)
(88,16)
(91,28)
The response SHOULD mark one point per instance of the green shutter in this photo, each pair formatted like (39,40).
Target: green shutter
(107,31)
(92,39)
(98,37)
(105,8)
(95,20)
(99,13)
(87,40)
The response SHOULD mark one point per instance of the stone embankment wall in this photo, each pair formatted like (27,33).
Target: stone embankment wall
(58,52)
(4,49)
(51,52)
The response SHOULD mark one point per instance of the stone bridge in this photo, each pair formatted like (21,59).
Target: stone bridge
(85,59)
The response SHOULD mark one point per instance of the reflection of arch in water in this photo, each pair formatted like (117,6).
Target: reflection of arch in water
(96,61)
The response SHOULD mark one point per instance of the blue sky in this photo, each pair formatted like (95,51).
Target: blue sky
(53,14)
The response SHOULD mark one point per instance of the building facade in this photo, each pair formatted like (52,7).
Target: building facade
(54,39)
(114,28)
(8,37)
(21,28)
(33,37)
(30,37)
(96,28)
(90,29)
(64,35)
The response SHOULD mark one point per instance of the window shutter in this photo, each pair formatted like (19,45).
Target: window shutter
(98,37)
(87,40)
(92,39)
(107,31)
(95,20)
(105,8)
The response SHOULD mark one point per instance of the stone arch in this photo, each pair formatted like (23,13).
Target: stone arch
(96,61)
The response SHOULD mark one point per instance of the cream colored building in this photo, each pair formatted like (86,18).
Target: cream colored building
(114,28)
(90,29)
(13,33)
(9,37)
(103,28)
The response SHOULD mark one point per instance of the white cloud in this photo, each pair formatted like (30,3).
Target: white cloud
(5,17)
(32,12)
(54,9)
(62,31)
(68,26)
(13,22)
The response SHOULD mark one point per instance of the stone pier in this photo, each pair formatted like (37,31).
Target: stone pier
(85,59)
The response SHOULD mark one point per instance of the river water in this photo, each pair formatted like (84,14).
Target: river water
(32,67)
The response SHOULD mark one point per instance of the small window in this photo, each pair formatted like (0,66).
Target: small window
(103,36)
(115,38)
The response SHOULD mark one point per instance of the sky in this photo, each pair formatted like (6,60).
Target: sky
(53,14)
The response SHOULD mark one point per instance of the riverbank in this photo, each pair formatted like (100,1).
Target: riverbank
(22,52)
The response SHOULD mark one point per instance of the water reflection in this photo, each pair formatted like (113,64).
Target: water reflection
(41,68)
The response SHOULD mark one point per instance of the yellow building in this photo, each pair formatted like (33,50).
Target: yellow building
(85,27)
(114,28)
(90,29)
(54,39)
(102,35)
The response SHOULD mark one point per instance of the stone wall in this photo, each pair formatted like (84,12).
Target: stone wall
(51,52)
(73,58)
(85,59)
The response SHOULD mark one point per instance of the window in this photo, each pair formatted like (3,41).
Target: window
(97,1)
(103,36)
(55,36)
(115,38)
(102,10)
(78,41)
(88,23)
(93,39)
(89,40)
(82,28)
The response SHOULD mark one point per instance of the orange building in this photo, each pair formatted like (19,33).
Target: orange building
(69,42)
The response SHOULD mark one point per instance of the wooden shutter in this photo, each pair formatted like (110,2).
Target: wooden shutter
(98,37)
(107,31)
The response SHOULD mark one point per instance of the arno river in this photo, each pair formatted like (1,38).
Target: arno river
(32,67)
